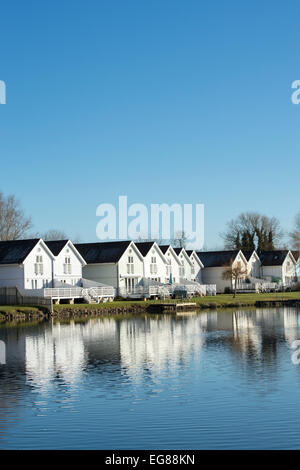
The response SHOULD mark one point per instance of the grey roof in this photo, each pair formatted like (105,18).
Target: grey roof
(55,246)
(144,247)
(296,254)
(15,251)
(164,248)
(212,259)
(178,250)
(102,252)
(273,258)
(248,254)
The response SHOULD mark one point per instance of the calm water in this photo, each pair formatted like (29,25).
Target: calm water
(203,381)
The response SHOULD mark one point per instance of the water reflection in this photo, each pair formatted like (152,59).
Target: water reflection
(58,360)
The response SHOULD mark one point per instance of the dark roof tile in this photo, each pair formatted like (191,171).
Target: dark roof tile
(55,246)
(15,251)
(212,259)
(273,258)
(106,252)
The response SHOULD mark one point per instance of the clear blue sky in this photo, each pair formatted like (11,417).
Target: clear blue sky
(163,101)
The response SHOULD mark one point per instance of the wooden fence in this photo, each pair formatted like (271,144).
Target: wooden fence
(13,296)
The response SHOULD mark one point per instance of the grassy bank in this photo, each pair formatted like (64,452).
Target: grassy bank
(218,301)
(137,306)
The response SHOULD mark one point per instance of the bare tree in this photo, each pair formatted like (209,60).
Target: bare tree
(179,240)
(13,222)
(252,231)
(295,234)
(234,272)
(53,234)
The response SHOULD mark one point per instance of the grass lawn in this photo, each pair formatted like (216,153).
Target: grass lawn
(7,309)
(221,300)
(218,301)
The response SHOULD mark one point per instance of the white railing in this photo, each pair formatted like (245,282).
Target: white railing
(78,292)
(63,292)
(167,290)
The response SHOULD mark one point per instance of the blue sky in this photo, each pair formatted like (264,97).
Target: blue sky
(162,101)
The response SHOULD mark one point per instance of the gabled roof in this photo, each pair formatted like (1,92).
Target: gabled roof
(56,245)
(179,251)
(15,251)
(273,258)
(213,259)
(102,252)
(144,247)
(164,248)
(296,254)
(193,252)
(248,254)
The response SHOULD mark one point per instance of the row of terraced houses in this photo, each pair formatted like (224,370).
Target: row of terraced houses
(98,271)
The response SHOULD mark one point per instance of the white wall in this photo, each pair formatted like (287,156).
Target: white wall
(40,280)
(286,272)
(187,266)
(197,275)
(74,277)
(157,272)
(254,267)
(173,266)
(106,273)
(12,275)
(215,275)
(133,271)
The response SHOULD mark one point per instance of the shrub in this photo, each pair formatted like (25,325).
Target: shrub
(227,290)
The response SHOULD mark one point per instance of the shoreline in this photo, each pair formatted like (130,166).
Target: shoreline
(221,301)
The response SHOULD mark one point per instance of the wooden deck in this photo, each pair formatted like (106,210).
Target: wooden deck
(172,307)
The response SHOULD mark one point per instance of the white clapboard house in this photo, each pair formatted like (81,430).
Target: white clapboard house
(173,265)
(26,264)
(186,268)
(253,264)
(215,263)
(51,269)
(119,264)
(155,263)
(67,265)
(196,271)
(278,265)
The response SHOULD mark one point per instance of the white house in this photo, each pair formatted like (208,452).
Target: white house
(155,263)
(253,264)
(68,263)
(196,272)
(173,264)
(186,269)
(278,265)
(119,264)
(27,264)
(215,263)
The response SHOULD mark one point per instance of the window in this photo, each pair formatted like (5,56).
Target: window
(38,266)
(67,265)
(130,265)
(153,265)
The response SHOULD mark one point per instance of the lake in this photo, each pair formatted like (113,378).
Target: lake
(217,380)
